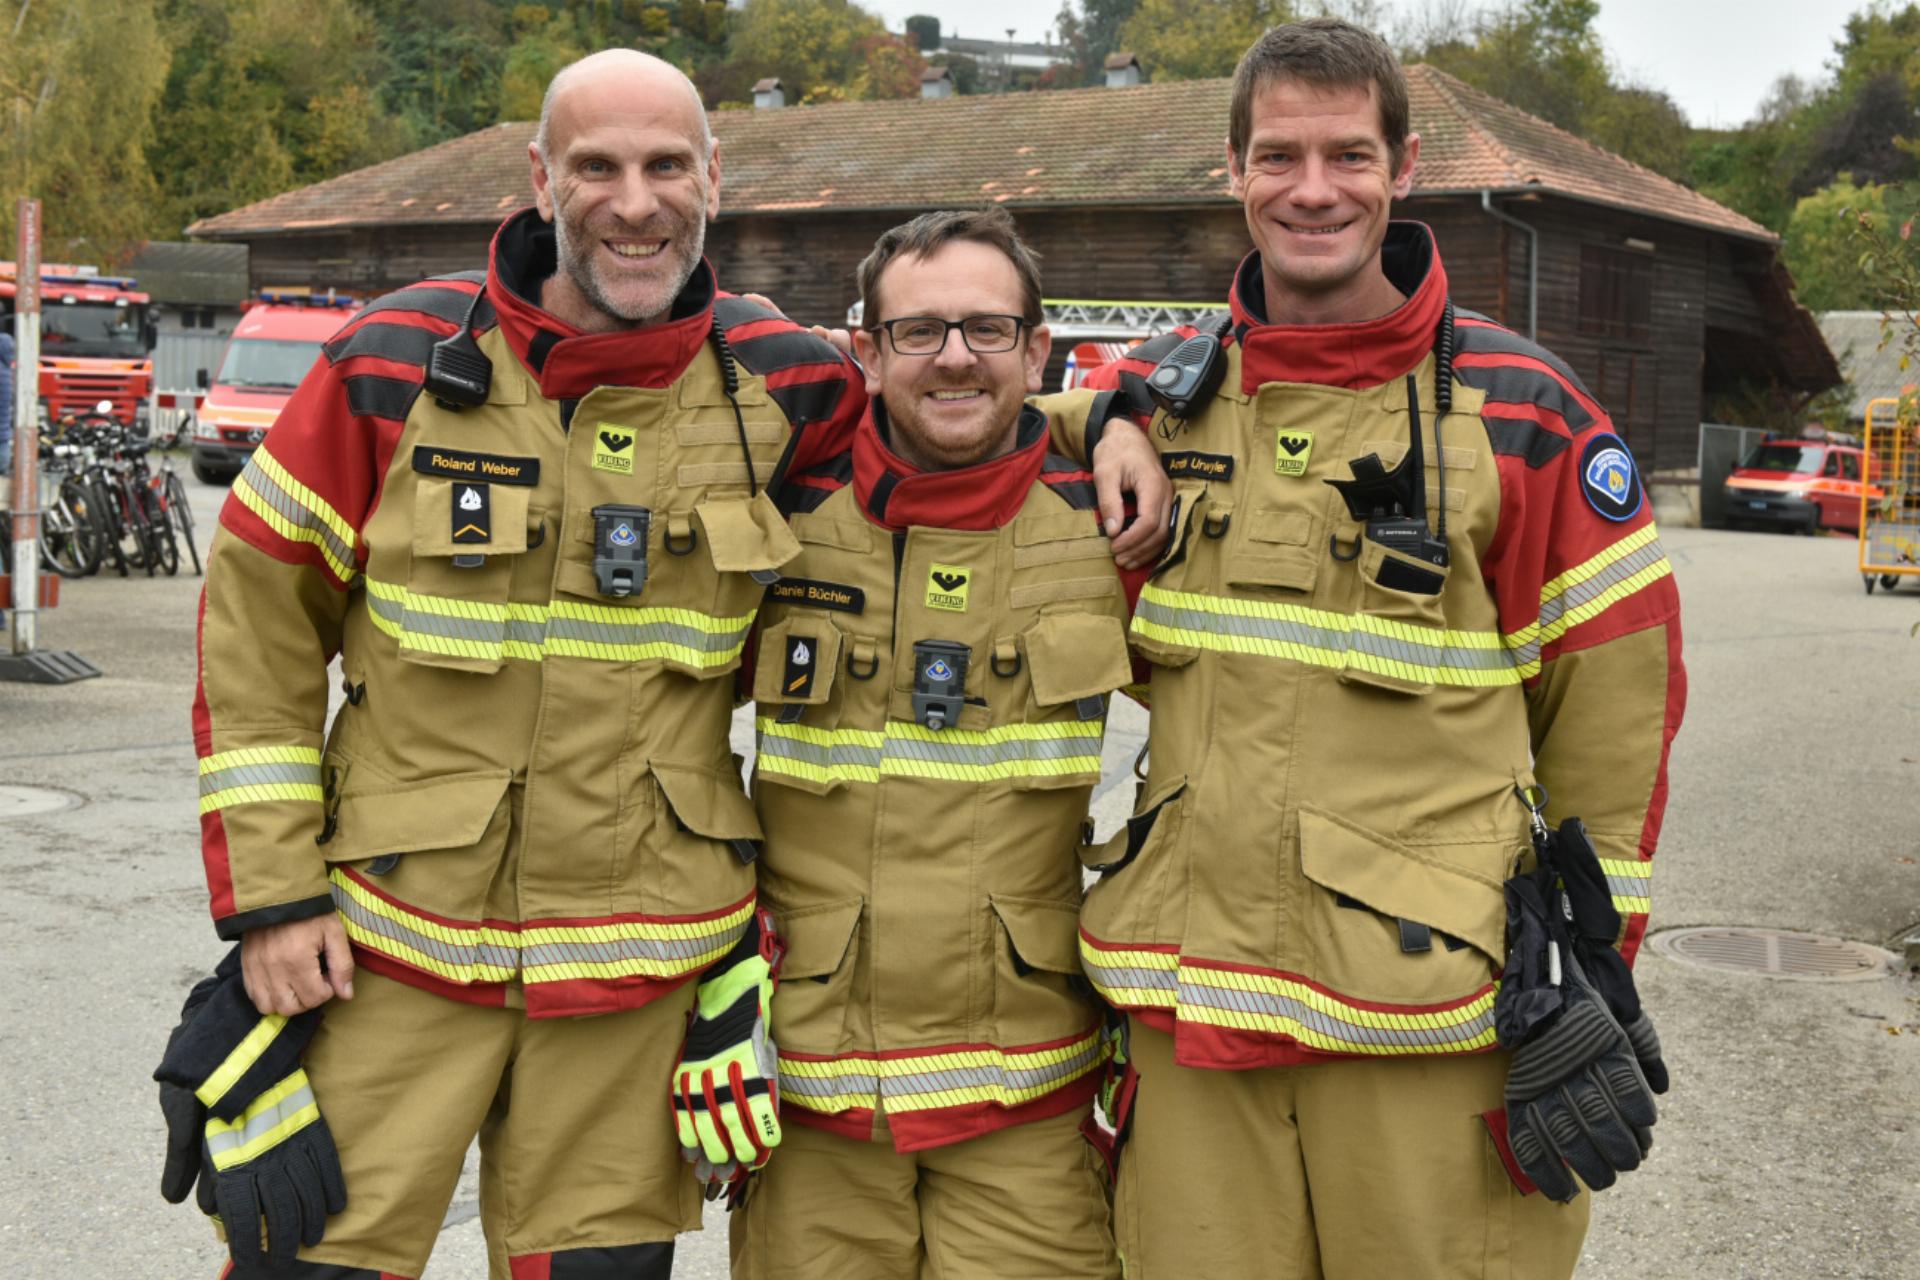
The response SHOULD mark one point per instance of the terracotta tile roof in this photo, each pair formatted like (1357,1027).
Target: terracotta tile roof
(1153,144)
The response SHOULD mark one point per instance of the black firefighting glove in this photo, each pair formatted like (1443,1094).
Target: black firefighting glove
(1576,1096)
(242,1122)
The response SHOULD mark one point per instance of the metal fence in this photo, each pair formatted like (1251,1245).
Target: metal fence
(1721,448)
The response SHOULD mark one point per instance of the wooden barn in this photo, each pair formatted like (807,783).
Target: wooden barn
(1661,299)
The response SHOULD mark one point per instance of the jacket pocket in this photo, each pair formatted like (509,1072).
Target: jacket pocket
(816,976)
(797,706)
(1036,957)
(1398,925)
(698,851)
(797,664)
(453,610)
(434,845)
(1160,630)
(1275,549)
(1405,594)
(1149,849)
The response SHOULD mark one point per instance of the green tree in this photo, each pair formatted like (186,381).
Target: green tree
(965,71)
(1646,126)
(78,84)
(1822,249)
(1180,40)
(1089,33)
(925,30)
(441,65)
(813,46)
(1542,56)
(543,43)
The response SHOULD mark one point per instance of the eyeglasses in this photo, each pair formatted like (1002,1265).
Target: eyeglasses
(927,335)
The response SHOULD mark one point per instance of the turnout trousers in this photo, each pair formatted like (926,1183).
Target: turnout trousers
(1027,1202)
(1343,1170)
(581,1176)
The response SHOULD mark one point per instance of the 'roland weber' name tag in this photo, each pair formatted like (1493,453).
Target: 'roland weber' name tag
(456,465)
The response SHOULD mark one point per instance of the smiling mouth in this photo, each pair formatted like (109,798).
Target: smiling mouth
(1299,230)
(636,250)
(949,396)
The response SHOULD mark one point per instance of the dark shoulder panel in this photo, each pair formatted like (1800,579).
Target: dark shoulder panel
(1070,481)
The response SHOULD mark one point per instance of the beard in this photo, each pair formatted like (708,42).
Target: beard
(633,301)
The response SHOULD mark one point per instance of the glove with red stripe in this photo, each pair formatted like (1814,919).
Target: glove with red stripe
(726,1087)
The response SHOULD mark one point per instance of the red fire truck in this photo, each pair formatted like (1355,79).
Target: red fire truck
(96,340)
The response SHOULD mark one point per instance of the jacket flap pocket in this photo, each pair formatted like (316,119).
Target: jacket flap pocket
(1291,528)
(817,937)
(1401,882)
(1076,655)
(406,817)
(798,659)
(825,531)
(1070,526)
(1045,934)
(746,534)
(707,802)
(466,517)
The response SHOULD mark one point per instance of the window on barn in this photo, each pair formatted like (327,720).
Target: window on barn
(1616,294)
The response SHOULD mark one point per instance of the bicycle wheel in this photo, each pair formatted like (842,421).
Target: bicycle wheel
(182,516)
(135,545)
(60,539)
(160,540)
(89,546)
(107,524)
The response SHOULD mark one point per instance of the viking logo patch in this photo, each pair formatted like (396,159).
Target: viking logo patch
(947,586)
(472,514)
(1292,452)
(1608,477)
(613,449)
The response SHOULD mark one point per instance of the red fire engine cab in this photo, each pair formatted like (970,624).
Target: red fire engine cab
(96,340)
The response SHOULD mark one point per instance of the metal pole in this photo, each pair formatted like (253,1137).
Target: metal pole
(26,430)
(1533,262)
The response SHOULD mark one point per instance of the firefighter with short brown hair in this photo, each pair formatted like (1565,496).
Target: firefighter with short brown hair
(931,686)
(1414,586)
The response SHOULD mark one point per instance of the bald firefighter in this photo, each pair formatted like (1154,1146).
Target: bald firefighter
(527,508)
(1381,1020)
(931,686)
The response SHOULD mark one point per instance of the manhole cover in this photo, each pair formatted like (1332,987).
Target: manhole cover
(1774,953)
(21,802)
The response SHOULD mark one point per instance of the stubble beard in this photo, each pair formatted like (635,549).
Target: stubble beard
(686,242)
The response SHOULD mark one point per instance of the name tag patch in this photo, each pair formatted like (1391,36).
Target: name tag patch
(472,514)
(613,449)
(818,594)
(430,460)
(1207,466)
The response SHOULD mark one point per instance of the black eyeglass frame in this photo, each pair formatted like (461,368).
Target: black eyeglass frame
(1019,323)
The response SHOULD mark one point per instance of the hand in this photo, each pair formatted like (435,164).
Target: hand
(1125,462)
(300,965)
(726,1086)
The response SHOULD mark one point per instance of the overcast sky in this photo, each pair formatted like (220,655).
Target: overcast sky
(1716,59)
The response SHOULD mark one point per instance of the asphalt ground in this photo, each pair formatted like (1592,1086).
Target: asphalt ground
(1789,1147)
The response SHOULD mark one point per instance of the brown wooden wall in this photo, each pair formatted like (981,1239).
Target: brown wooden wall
(806,264)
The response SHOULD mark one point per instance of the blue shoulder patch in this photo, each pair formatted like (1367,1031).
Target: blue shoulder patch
(1608,477)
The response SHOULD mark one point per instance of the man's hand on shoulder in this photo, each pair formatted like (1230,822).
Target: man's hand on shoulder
(1125,462)
(300,965)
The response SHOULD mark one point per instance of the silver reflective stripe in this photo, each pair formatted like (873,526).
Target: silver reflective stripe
(258,1125)
(837,1086)
(244,775)
(457,955)
(534,955)
(292,511)
(1125,976)
(989,1075)
(1581,593)
(840,755)
(1010,751)
(628,633)
(1331,641)
(1260,1005)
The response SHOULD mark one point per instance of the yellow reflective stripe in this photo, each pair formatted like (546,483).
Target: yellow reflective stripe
(343,536)
(1631,883)
(905,749)
(1318,637)
(266,1124)
(1587,569)
(1275,1004)
(1588,590)
(458,955)
(251,775)
(938,1078)
(561,628)
(237,1063)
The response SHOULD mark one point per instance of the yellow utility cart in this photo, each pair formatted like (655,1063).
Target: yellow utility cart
(1890,499)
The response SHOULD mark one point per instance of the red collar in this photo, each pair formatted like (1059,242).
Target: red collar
(1345,355)
(568,362)
(894,493)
